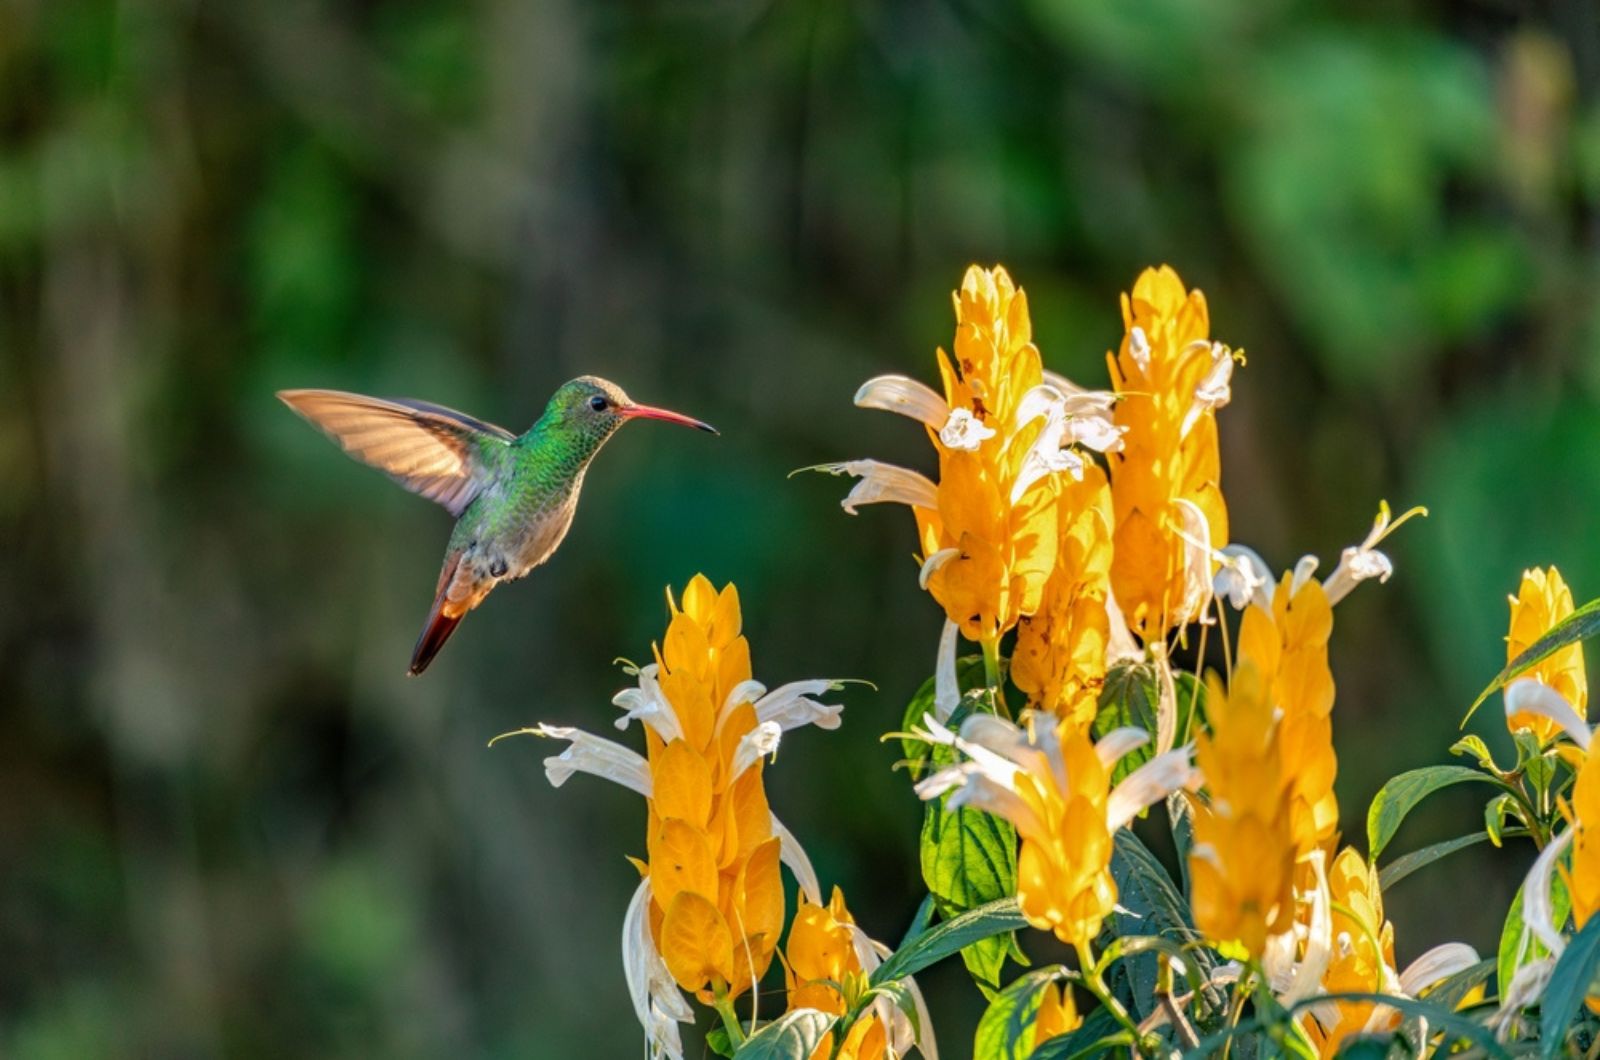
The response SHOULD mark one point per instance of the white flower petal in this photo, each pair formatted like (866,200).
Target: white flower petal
(790,706)
(792,854)
(946,689)
(1307,974)
(1079,400)
(1437,964)
(883,484)
(964,432)
(1527,987)
(1096,431)
(1529,695)
(1148,785)
(982,792)
(1214,390)
(1537,911)
(1121,646)
(754,745)
(1243,578)
(1119,742)
(933,563)
(1139,348)
(1197,553)
(898,393)
(589,753)
(749,691)
(657,1001)
(649,706)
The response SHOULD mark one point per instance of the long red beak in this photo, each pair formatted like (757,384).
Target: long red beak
(648,412)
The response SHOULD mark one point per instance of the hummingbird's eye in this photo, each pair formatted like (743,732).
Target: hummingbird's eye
(597,403)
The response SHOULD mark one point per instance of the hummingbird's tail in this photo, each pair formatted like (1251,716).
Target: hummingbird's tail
(441,622)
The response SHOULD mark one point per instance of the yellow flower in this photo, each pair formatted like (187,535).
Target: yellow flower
(1583,878)
(829,956)
(1362,959)
(1058,1013)
(1543,600)
(1363,951)
(1053,784)
(1060,654)
(1006,437)
(1243,859)
(1288,645)
(708,914)
(1166,482)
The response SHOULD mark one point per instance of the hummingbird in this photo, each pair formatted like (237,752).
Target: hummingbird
(513,496)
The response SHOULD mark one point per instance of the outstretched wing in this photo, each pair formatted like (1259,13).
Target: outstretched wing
(444,455)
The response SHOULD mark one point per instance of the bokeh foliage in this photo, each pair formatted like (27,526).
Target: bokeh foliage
(232,828)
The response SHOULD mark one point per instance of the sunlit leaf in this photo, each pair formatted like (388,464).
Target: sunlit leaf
(792,1036)
(941,940)
(1402,794)
(1518,946)
(1006,1030)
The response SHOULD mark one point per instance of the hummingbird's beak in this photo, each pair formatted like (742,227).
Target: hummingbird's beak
(649,412)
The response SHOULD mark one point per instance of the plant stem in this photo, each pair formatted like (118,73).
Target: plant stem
(992,676)
(730,1019)
(1092,981)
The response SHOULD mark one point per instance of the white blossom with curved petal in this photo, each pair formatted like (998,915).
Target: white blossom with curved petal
(964,432)
(883,484)
(657,1001)
(907,396)
(1529,695)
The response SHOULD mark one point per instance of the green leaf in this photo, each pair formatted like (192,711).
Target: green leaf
(1580,625)
(1402,867)
(1494,816)
(941,940)
(1094,1037)
(1006,1031)
(1518,946)
(1181,815)
(1129,698)
(1474,746)
(1148,904)
(1455,1025)
(1402,794)
(1570,982)
(969,675)
(920,922)
(792,1036)
(1449,993)
(968,858)
(1191,706)
(719,1041)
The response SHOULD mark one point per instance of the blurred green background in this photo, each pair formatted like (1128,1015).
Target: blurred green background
(229,826)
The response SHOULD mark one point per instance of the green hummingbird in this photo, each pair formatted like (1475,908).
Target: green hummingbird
(513,496)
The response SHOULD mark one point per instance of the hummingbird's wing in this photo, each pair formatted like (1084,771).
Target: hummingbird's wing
(444,455)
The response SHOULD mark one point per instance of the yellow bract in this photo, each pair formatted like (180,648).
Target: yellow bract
(1583,879)
(1064,879)
(822,956)
(717,895)
(1243,860)
(1060,654)
(1289,647)
(1006,547)
(1542,600)
(1363,951)
(1169,455)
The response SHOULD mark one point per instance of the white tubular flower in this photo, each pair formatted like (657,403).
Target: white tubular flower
(964,431)
(1538,922)
(1435,966)
(754,745)
(1139,348)
(657,1001)
(1529,695)
(1077,418)
(1121,647)
(792,854)
(946,689)
(933,563)
(1306,974)
(648,706)
(1215,390)
(1197,553)
(898,393)
(593,754)
(901,1034)
(883,484)
(1243,578)
(998,752)
(1360,562)
(790,706)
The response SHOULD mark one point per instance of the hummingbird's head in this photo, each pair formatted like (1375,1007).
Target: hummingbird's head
(593,408)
